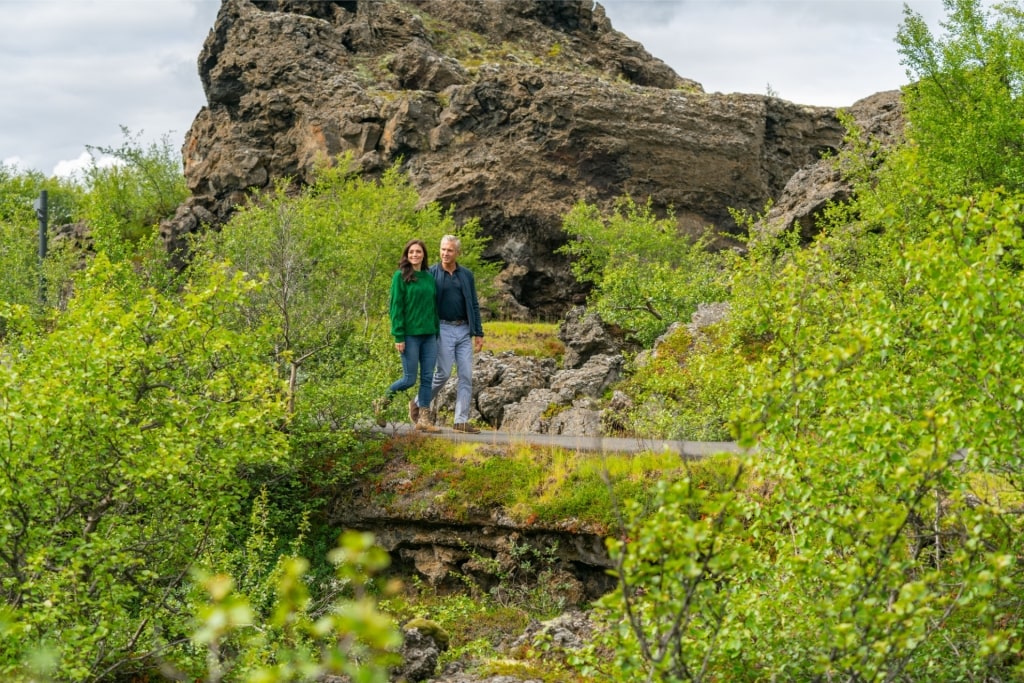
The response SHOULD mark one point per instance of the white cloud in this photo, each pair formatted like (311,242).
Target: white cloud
(14,163)
(821,52)
(74,71)
(75,168)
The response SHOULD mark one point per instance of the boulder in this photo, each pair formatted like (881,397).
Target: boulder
(508,111)
(592,379)
(498,381)
(420,654)
(814,187)
(578,420)
(584,335)
(531,414)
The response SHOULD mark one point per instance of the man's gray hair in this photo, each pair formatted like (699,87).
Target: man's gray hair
(454,241)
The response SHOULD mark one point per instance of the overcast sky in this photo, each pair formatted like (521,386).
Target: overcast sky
(72,72)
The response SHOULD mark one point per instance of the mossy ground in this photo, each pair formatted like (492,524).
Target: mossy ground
(538,340)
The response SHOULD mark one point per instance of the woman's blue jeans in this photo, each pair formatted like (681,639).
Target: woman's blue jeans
(419,358)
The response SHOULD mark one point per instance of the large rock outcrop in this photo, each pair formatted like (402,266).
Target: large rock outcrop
(510,111)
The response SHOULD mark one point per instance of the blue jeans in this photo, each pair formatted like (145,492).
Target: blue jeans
(418,359)
(456,348)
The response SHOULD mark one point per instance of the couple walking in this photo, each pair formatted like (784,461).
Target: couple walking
(435,320)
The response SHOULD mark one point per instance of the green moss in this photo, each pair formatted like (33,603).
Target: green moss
(545,487)
(537,339)
(430,628)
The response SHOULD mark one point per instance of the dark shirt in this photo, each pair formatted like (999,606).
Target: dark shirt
(451,302)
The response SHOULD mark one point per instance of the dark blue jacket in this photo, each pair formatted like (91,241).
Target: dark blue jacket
(468,285)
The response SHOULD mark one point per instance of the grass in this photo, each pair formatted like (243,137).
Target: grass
(538,340)
(548,487)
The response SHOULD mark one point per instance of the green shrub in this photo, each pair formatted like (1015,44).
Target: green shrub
(126,421)
(644,273)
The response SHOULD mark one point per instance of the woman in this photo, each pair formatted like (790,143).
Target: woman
(415,327)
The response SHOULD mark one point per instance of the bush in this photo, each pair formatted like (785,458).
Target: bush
(645,275)
(126,422)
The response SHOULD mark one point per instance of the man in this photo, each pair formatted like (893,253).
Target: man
(461,329)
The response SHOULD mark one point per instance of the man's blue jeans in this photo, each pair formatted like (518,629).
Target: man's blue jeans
(418,358)
(456,348)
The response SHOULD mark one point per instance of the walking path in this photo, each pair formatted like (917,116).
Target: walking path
(603,444)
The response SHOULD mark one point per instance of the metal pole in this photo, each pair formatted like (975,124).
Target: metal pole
(42,210)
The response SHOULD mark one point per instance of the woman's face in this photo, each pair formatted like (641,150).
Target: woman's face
(415,256)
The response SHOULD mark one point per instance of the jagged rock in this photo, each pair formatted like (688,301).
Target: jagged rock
(78,235)
(593,362)
(420,654)
(510,111)
(498,381)
(570,630)
(531,413)
(419,67)
(706,316)
(813,188)
(592,379)
(576,421)
(435,562)
(584,335)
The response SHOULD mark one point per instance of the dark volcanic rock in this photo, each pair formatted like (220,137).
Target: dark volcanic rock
(811,189)
(512,111)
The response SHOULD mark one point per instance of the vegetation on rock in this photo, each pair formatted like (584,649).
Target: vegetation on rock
(166,431)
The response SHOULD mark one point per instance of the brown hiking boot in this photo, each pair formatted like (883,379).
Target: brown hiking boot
(465,428)
(414,411)
(423,424)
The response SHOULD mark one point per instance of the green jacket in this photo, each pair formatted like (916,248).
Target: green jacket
(413,306)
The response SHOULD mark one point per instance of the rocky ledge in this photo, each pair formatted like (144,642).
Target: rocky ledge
(511,111)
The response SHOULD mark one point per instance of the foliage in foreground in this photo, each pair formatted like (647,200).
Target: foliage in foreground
(885,403)
(124,426)
(888,520)
(349,638)
(164,400)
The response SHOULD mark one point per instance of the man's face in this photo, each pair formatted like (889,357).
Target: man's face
(448,253)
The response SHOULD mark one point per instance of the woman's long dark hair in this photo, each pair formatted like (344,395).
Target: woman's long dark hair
(408,272)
